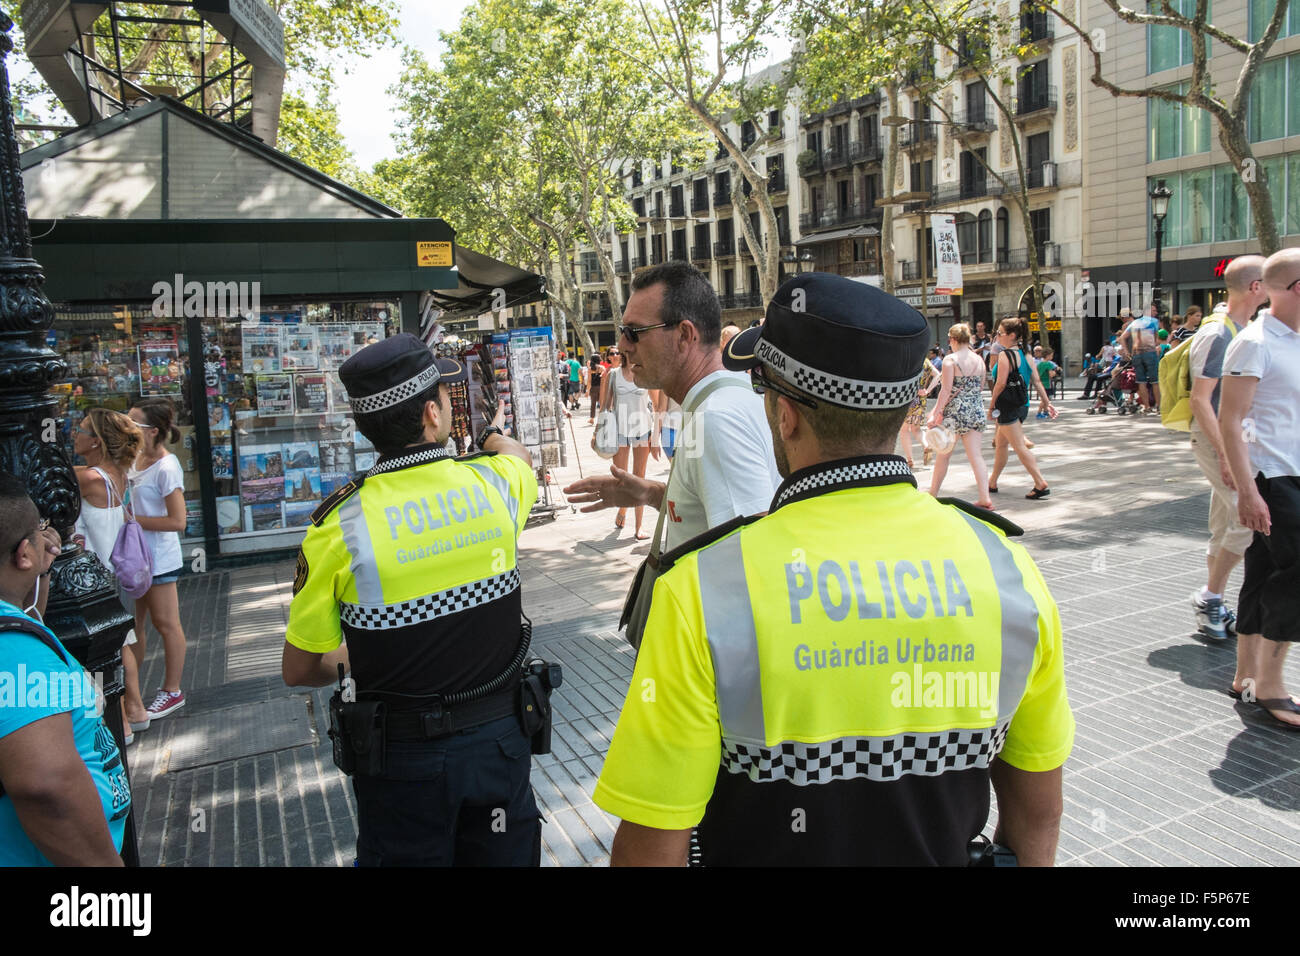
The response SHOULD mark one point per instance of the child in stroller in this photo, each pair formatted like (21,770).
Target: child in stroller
(1122,380)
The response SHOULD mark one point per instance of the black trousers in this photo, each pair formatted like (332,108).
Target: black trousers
(463,800)
(1270,594)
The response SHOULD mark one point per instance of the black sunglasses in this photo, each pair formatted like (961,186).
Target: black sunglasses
(761,383)
(634,332)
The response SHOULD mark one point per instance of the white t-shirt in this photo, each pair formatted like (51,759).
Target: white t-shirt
(149,489)
(1269,351)
(723,466)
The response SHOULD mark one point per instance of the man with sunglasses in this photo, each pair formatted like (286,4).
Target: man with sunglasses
(838,682)
(65,797)
(723,465)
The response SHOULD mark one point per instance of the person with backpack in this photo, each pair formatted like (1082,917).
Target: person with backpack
(64,796)
(108,442)
(1009,406)
(156,486)
(1229,539)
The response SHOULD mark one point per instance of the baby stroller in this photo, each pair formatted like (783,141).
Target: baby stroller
(1122,380)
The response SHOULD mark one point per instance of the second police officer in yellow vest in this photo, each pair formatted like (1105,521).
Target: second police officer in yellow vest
(839,682)
(415,567)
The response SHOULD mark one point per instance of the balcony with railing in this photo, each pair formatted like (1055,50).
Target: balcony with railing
(1032,102)
(847,215)
(976,118)
(837,155)
(721,197)
(918,133)
(679,253)
(677,208)
(621,267)
(741,300)
(1012,259)
(1042,176)
(911,270)
(637,262)
(656,257)
(700,203)
(654,211)
(858,268)
(776,181)
(700,253)
(866,151)
(973,188)
(724,249)
(810,163)
(783,236)
(1036,26)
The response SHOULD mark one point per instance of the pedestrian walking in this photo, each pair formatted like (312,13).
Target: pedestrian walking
(634,414)
(1009,406)
(960,410)
(814,743)
(915,420)
(1261,382)
(1229,539)
(158,498)
(1141,338)
(596,370)
(108,443)
(437,738)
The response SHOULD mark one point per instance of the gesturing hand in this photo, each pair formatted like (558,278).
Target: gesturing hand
(622,490)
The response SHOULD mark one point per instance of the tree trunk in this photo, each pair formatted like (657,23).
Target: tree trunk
(766,255)
(890,173)
(1237,145)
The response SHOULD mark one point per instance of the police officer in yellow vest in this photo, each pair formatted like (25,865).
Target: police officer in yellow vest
(838,682)
(413,566)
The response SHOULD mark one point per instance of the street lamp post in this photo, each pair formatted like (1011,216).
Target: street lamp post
(83,608)
(1159,209)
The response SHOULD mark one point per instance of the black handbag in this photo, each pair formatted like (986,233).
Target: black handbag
(1015,394)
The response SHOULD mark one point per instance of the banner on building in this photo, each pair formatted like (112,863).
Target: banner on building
(947,256)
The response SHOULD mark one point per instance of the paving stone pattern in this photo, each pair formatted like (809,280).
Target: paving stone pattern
(1166,768)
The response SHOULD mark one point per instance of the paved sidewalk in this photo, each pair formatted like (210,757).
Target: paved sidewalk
(1166,768)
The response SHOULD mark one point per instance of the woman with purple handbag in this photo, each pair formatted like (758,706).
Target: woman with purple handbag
(156,485)
(108,442)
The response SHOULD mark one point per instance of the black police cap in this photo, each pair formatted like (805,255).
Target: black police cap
(840,341)
(390,372)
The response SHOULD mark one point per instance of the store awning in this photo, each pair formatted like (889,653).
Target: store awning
(856,232)
(480,279)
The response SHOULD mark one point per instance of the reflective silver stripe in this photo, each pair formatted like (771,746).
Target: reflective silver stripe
(875,758)
(1019,618)
(378,617)
(501,485)
(356,537)
(733,641)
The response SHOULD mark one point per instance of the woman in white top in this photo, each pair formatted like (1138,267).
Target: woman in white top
(159,502)
(108,442)
(632,410)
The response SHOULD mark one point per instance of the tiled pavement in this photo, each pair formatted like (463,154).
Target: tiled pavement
(1166,768)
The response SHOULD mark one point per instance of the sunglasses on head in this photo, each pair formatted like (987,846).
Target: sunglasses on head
(761,383)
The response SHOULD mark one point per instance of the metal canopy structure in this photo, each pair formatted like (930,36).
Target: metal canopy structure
(233,51)
(486,285)
(856,232)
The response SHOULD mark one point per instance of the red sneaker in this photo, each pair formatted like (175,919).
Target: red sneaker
(165,703)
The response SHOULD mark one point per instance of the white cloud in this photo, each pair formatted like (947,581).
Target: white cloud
(367,113)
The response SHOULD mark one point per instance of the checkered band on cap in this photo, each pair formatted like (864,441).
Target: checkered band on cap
(860,471)
(378,617)
(397,394)
(849,392)
(875,758)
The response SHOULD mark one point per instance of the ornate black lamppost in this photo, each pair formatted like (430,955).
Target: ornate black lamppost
(1159,194)
(83,610)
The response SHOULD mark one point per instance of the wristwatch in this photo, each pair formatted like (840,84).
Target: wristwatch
(487,433)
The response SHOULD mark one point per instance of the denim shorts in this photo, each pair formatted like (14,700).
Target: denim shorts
(169,578)
(1146,367)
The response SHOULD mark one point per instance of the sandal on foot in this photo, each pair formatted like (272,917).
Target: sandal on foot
(1285,704)
(1236,695)
(993,489)
(1038,493)
(642,536)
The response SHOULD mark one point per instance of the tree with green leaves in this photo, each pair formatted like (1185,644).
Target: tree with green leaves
(522,132)
(703,52)
(1229,107)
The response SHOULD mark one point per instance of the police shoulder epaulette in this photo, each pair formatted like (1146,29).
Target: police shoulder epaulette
(669,558)
(1007,527)
(336,499)
(476,454)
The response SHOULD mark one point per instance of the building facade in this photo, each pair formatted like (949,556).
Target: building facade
(1131,144)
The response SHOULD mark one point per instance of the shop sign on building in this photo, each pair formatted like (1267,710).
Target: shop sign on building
(912,296)
(433,254)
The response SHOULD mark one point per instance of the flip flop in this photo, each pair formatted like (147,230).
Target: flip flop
(993,489)
(1236,695)
(1038,493)
(1285,704)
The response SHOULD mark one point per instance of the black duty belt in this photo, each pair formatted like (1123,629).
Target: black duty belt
(443,721)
